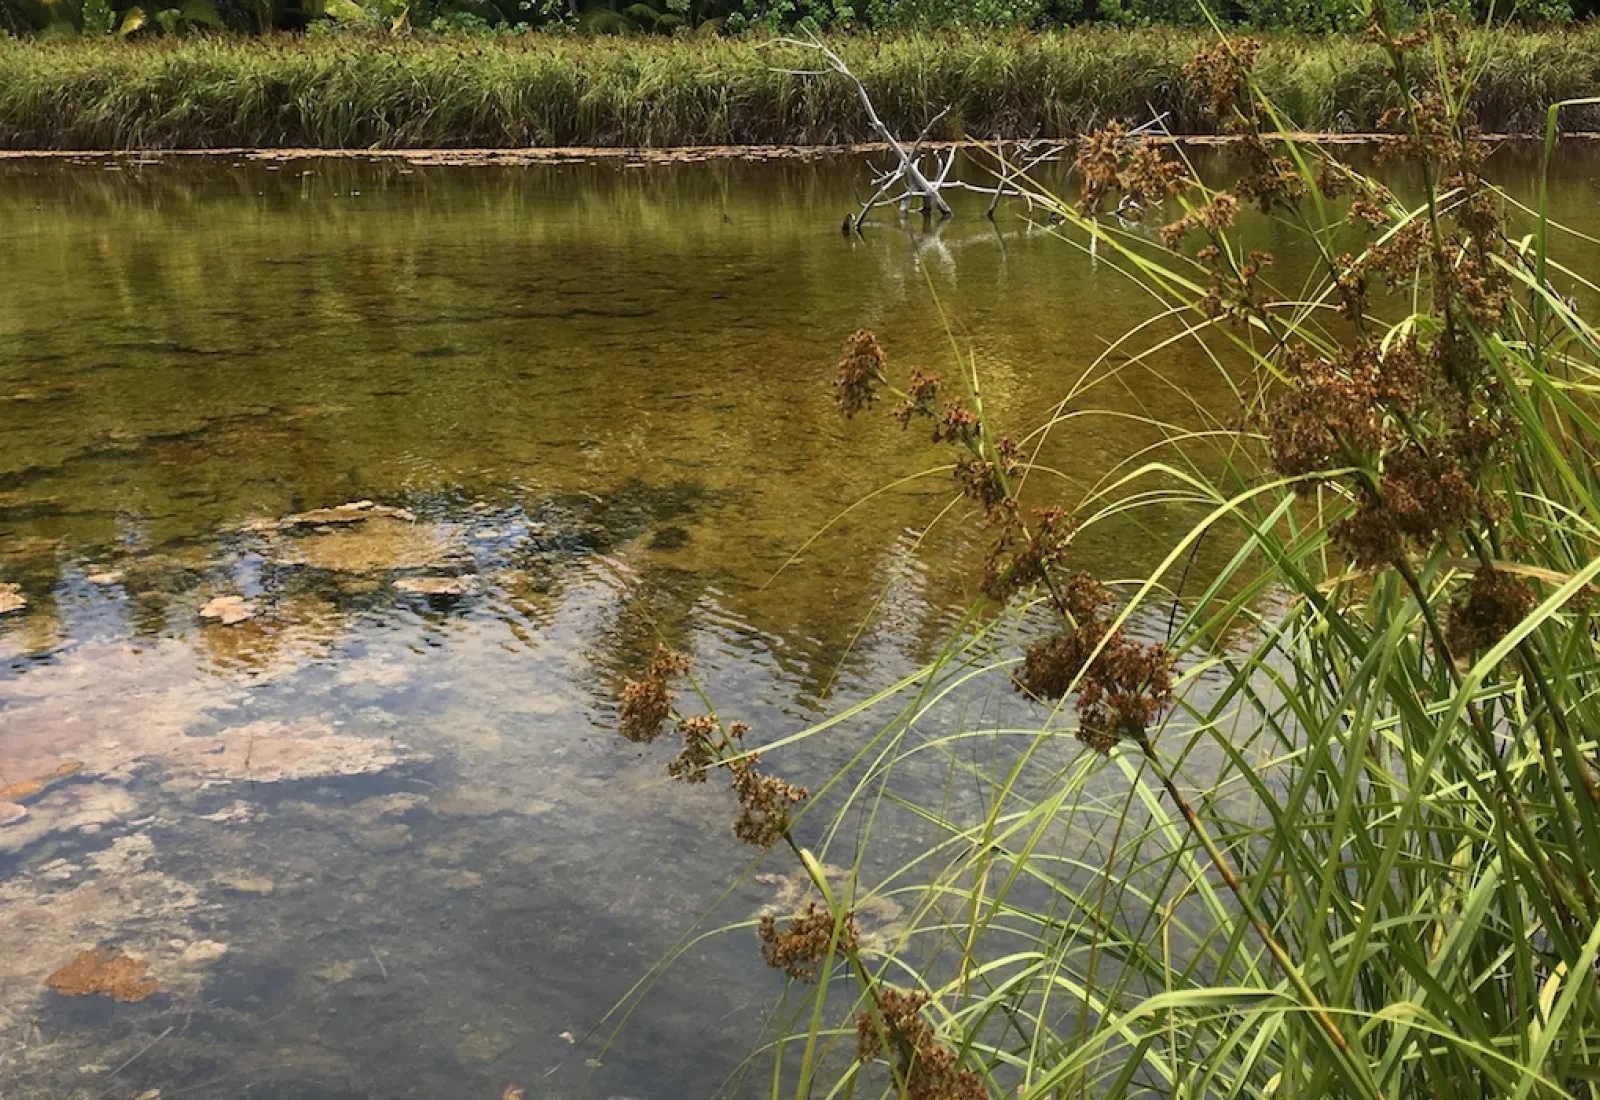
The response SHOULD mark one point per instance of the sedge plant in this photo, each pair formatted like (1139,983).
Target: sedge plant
(1334,829)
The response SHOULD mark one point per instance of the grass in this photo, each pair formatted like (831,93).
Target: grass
(1352,849)
(567,90)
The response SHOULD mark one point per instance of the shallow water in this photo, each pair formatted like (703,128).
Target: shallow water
(377,837)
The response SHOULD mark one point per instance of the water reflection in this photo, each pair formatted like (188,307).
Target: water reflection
(346,779)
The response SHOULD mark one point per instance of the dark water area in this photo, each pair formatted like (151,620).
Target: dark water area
(347,781)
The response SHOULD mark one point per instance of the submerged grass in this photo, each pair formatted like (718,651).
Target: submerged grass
(1337,832)
(548,90)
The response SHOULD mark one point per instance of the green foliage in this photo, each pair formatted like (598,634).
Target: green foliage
(1144,13)
(776,16)
(478,17)
(97,17)
(359,86)
(960,13)
(176,19)
(1303,15)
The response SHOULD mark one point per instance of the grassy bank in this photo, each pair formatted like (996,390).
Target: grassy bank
(564,90)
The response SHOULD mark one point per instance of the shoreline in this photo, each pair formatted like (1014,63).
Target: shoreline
(679,154)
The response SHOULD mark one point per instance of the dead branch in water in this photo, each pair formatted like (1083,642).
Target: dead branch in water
(906,173)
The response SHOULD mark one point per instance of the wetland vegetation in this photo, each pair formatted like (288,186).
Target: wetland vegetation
(548,90)
(1322,822)
(1156,659)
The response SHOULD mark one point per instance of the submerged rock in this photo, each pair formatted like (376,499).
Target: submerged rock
(73,735)
(277,639)
(84,808)
(272,752)
(246,883)
(227,610)
(881,919)
(101,970)
(356,511)
(434,586)
(11,598)
(373,545)
(669,538)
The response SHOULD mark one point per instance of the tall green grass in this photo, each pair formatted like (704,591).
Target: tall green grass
(561,90)
(1359,853)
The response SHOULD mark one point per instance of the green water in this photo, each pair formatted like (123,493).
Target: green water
(377,838)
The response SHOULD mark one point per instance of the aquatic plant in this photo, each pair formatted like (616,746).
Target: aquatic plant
(553,90)
(1335,829)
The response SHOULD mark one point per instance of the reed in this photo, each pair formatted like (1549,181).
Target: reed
(563,90)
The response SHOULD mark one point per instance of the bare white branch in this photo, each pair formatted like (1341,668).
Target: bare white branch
(919,183)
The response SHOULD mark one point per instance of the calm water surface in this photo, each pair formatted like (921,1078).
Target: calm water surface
(376,838)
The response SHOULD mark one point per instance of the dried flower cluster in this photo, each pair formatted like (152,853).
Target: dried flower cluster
(1115,162)
(1420,448)
(921,389)
(859,374)
(926,1068)
(1022,557)
(1123,686)
(1216,215)
(800,949)
(699,753)
(1232,292)
(647,703)
(1269,178)
(1223,74)
(1487,609)
(764,800)
(1410,427)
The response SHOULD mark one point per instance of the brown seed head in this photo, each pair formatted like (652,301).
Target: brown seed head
(647,703)
(699,749)
(958,424)
(1222,74)
(1487,610)
(927,1068)
(764,803)
(921,389)
(800,950)
(859,373)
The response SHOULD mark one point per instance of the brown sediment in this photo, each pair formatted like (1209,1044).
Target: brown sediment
(101,970)
(116,895)
(32,788)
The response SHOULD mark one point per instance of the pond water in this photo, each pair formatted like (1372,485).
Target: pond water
(347,782)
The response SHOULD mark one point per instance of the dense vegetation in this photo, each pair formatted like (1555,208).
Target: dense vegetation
(65,17)
(548,90)
(1324,822)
